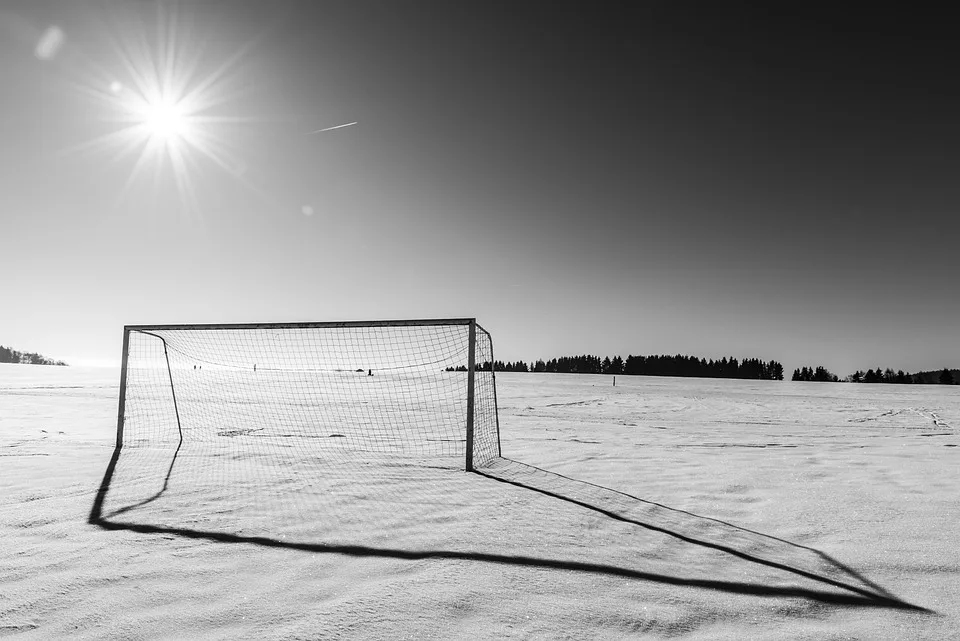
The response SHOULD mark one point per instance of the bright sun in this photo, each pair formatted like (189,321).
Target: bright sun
(166,102)
(166,121)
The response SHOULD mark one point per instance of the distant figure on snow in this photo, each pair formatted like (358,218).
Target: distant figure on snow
(369,372)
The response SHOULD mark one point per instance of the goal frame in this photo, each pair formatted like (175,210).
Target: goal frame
(471,324)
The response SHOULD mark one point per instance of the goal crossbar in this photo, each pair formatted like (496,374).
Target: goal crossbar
(305,325)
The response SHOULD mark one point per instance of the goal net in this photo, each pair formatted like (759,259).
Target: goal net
(351,390)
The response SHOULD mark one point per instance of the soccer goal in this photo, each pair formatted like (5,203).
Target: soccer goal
(392,389)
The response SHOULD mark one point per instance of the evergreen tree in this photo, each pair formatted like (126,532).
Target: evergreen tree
(776,370)
(616,365)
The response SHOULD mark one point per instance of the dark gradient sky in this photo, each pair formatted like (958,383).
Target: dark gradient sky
(581,177)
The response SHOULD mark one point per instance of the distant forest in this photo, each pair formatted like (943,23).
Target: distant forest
(691,366)
(940,377)
(8,355)
(818,374)
(679,365)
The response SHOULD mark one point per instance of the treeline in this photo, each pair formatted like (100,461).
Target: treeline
(821,374)
(818,374)
(8,355)
(881,376)
(679,365)
(691,366)
(498,366)
(941,377)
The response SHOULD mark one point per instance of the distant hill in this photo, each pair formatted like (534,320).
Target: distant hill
(9,355)
(933,378)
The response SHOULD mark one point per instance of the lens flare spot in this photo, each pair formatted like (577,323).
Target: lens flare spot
(50,43)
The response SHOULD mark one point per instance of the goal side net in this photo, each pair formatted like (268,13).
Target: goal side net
(383,389)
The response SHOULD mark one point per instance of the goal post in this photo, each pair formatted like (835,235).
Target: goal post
(394,389)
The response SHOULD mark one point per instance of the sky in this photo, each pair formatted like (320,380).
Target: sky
(613,178)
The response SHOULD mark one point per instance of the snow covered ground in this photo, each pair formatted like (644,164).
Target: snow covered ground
(690,508)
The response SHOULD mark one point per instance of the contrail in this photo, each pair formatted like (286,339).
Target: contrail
(329,128)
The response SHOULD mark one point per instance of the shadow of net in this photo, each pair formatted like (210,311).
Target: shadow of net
(370,461)
(701,547)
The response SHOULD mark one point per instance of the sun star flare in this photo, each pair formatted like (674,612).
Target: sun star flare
(165,101)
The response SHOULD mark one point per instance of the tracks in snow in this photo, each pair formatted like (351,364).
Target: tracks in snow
(920,411)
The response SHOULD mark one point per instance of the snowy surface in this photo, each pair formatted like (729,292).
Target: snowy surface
(680,508)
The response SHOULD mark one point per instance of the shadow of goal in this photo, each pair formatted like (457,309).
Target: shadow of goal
(334,437)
